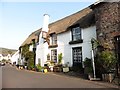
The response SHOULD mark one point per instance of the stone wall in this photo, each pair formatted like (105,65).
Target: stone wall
(107,23)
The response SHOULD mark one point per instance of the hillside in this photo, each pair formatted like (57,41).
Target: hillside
(6,51)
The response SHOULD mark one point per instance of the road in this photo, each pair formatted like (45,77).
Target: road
(13,78)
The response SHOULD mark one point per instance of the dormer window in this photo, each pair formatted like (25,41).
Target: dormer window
(54,39)
(76,33)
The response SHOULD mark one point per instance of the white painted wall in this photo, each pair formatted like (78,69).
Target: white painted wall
(15,57)
(7,57)
(41,53)
(66,49)
(88,34)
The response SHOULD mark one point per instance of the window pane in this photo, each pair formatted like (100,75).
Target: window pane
(54,55)
(77,30)
(73,31)
(54,39)
(76,33)
(77,55)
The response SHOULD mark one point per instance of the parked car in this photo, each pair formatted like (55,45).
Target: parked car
(2,64)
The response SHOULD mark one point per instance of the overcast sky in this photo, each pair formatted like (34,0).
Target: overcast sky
(19,19)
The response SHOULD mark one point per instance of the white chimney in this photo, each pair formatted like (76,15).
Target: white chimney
(45,23)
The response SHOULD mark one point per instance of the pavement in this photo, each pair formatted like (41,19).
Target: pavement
(15,78)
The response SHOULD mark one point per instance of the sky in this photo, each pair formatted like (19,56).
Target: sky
(19,19)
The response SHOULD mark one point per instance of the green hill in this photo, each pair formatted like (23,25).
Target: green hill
(6,51)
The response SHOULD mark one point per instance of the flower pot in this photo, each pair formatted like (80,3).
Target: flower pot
(66,69)
(90,75)
(111,76)
(108,77)
(51,68)
(45,70)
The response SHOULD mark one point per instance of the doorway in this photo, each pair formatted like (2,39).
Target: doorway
(77,59)
(117,49)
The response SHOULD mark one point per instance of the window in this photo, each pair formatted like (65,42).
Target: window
(54,39)
(48,57)
(76,33)
(54,55)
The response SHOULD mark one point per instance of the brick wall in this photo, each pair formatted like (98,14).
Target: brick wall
(107,23)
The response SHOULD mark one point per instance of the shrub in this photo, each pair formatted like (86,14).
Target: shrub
(106,60)
(39,68)
(30,56)
(60,58)
(88,66)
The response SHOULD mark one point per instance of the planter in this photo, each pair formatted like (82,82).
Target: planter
(66,69)
(90,75)
(51,68)
(111,77)
(57,69)
(25,67)
(108,77)
(33,69)
(45,70)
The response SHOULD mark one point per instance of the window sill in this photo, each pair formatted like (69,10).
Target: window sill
(76,42)
(53,46)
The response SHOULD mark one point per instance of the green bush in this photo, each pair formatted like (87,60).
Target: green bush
(88,66)
(39,68)
(106,60)
(30,56)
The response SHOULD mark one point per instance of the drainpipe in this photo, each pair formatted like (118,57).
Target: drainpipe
(93,61)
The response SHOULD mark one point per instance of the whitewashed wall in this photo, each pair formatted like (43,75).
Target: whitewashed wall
(15,57)
(88,34)
(1,57)
(66,49)
(41,52)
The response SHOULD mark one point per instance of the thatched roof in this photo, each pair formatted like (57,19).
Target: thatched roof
(84,18)
(33,35)
(86,21)
(62,25)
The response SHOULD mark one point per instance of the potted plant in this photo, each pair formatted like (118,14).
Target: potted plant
(58,66)
(66,67)
(107,61)
(60,58)
(88,71)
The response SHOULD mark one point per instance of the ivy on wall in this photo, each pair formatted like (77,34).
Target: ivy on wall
(28,56)
(25,49)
